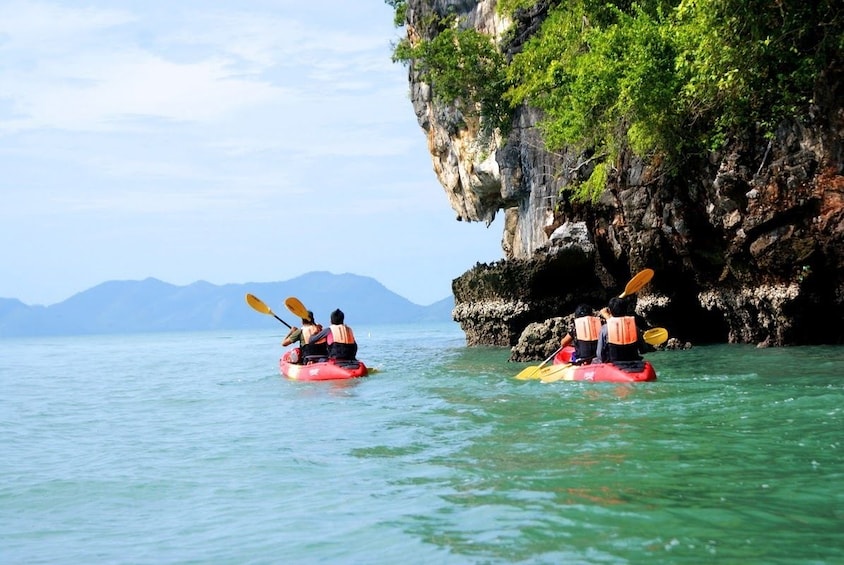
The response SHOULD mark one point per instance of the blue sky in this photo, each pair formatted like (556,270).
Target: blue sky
(230,142)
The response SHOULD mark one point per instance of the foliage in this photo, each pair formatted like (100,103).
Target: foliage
(592,188)
(508,7)
(749,62)
(465,68)
(595,83)
(662,78)
(400,14)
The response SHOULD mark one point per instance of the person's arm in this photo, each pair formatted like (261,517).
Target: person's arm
(292,336)
(567,340)
(602,343)
(315,338)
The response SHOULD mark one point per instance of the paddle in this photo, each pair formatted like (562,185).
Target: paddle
(655,336)
(296,307)
(258,305)
(528,372)
(642,278)
(553,373)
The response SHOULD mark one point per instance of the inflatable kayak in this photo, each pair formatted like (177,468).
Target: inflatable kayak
(322,371)
(622,372)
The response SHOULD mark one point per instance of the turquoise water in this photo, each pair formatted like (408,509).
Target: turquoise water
(189,448)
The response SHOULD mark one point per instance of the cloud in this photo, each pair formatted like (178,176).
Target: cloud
(97,70)
(42,28)
(112,91)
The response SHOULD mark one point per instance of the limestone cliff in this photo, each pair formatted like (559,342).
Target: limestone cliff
(747,243)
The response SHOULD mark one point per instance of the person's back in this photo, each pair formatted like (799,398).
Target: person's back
(309,330)
(587,329)
(620,339)
(341,338)
(303,335)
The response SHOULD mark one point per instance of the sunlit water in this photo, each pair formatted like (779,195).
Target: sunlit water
(190,448)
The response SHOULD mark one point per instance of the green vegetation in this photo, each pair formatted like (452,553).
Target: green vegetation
(662,78)
(465,68)
(400,8)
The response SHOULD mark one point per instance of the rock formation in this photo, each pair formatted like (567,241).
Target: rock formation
(747,244)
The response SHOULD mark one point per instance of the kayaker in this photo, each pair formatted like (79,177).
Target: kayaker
(583,334)
(340,337)
(620,338)
(303,335)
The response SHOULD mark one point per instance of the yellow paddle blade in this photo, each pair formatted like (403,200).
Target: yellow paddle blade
(257,304)
(553,373)
(656,336)
(533,372)
(642,278)
(528,373)
(296,307)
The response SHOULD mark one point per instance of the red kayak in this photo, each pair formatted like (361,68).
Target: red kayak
(330,370)
(621,372)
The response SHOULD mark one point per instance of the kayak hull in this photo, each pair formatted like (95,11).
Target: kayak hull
(628,372)
(323,371)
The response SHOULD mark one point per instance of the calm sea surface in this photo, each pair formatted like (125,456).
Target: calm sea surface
(190,448)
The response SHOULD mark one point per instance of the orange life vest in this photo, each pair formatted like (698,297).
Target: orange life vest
(310,330)
(318,348)
(587,328)
(621,330)
(341,342)
(586,332)
(341,334)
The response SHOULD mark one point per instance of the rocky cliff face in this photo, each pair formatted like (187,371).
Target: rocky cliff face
(747,244)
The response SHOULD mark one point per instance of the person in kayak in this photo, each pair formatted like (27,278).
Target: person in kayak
(583,334)
(620,338)
(303,335)
(340,338)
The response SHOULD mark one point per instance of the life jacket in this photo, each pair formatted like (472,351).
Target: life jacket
(341,342)
(586,332)
(622,339)
(320,348)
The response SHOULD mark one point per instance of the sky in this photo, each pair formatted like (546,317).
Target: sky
(229,142)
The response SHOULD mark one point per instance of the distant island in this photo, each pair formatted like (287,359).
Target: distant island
(151,305)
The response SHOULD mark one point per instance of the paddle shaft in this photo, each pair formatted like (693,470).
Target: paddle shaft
(258,305)
(280,320)
(546,361)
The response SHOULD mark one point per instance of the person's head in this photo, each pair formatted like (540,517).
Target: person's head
(617,306)
(582,310)
(309,319)
(337,317)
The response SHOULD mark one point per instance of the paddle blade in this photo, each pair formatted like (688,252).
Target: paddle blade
(553,373)
(257,304)
(528,373)
(296,307)
(656,336)
(642,278)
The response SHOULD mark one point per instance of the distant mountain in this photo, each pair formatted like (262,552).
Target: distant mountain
(152,305)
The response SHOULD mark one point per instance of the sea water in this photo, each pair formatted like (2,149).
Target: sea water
(190,448)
